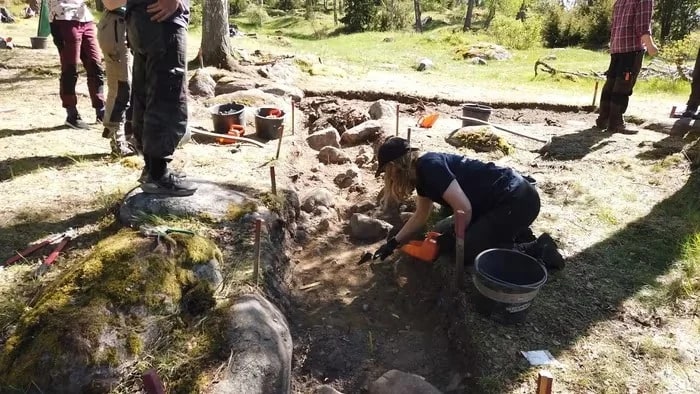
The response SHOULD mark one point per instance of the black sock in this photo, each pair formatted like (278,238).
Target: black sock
(157,167)
(72,111)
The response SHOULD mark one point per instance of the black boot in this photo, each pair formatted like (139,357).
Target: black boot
(545,250)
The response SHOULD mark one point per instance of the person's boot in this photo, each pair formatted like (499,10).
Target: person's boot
(601,123)
(616,123)
(690,111)
(120,146)
(74,120)
(545,250)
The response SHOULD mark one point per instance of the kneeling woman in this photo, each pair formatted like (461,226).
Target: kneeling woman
(499,203)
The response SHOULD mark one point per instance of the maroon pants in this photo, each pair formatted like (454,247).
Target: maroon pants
(78,41)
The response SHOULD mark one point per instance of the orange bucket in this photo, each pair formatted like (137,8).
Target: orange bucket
(426,250)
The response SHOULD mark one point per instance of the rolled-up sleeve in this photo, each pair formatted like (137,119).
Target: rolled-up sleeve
(643,20)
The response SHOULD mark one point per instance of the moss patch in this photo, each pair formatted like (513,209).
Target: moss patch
(82,316)
(481,140)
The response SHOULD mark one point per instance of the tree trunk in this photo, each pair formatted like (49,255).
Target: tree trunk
(490,16)
(468,17)
(309,10)
(335,12)
(416,7)
(215,47)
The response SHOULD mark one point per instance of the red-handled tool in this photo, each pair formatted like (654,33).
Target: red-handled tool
(62,240)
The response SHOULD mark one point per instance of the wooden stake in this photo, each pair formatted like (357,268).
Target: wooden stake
(273,182)
(460,224)
(673,112)
(595,93)
(408,136)
(292,115)
(544,382)
(256,264)
(279,143)
(397,120)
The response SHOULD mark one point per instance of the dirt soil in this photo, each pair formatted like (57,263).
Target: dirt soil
(358,321)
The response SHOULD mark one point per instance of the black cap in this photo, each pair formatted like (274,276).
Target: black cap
(392,149)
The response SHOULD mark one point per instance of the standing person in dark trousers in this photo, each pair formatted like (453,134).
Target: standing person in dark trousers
(157,33)
(74,35)
(500,204)
(111,33)
(694,100)
(630,36)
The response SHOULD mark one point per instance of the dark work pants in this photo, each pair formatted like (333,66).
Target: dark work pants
(77,41)
(498,227)
(159,96)
(620,79)
(694,99)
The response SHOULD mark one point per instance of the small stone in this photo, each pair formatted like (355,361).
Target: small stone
(365,307)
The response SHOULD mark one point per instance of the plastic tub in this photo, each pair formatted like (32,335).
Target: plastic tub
(476,111)
(507,282)
(226,116)
(269,123)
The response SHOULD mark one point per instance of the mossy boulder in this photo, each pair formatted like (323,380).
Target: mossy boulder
(105,311)
(480,139)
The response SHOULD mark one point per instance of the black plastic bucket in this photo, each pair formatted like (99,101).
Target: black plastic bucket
(507,282)
(227,115)
(476,111)
(267,126)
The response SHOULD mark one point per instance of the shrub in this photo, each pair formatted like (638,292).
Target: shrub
(392,15)
(257,15)
(551,28)
(516,34)
(236,7)
(680,51)
(286,5)
(358,15)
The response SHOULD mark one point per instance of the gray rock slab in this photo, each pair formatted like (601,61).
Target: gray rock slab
(211,199)
(366,228)
(395,381)
(261,349)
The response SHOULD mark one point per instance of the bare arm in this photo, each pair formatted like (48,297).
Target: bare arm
(113,4)
(416,221)
(454,195)
(648,42)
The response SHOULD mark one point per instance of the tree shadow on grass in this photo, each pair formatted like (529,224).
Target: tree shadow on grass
(576,145)
(591,290)
(11,168)
(19,132)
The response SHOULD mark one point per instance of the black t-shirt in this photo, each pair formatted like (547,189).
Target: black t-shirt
(181,17)
(485,184)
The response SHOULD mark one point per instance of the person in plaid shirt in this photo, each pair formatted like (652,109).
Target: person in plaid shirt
(630,36)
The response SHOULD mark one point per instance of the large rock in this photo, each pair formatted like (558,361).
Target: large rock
(485,51)
(332,155)
(395,381)
(382,109)
(319,197)
(326,389)
(322,138)
(284,72)
(362,133)
(365,228)
(283,91)
(202,84)
(211,200)
(232,84)
(261,349)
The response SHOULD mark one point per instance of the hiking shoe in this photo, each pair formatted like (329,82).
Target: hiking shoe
(689,112)
(121,148)
(76,122)
(549,252)
(172,184)
(623,129)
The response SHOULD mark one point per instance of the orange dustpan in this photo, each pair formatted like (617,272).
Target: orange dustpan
(427,121)
(426,250)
